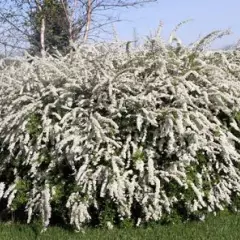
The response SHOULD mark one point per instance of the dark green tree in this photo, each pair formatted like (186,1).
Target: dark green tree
(56,34)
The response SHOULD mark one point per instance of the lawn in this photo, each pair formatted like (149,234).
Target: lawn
(220,227)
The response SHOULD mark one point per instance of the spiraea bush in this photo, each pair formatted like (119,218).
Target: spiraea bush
(108,135)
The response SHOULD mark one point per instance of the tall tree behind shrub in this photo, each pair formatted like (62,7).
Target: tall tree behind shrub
(56,32)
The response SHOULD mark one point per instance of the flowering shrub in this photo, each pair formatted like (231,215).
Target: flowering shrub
(109,134)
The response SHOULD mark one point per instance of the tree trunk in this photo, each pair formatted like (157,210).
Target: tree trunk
(42,37)
(88,20)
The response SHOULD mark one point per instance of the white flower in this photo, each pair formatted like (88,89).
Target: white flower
(139,165)
(150,164)
(11,197)
(109,225)
(9,190)
(2,186)
(46,207)
(139,122)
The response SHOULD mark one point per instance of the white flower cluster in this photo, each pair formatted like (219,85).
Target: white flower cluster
(156,126)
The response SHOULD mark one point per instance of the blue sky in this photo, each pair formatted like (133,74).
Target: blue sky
(207,15)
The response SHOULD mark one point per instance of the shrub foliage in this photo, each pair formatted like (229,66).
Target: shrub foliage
(104,135)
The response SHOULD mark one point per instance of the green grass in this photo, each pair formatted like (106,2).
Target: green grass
(219,228)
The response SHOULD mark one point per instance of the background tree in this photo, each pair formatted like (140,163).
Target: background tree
(56,33)
(36,24)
